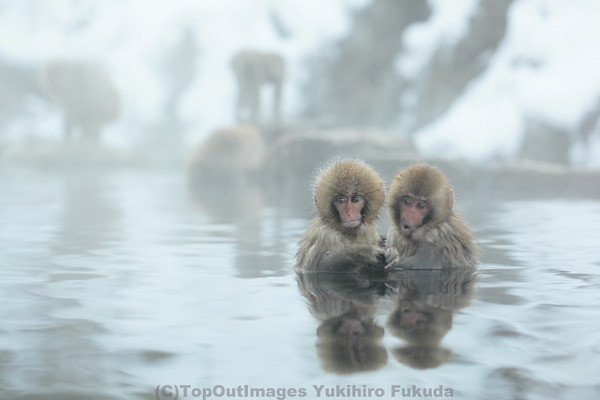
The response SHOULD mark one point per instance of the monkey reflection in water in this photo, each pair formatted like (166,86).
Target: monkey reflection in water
(348,339)
(342,236)
(423,305)
(423,309)
(224,165)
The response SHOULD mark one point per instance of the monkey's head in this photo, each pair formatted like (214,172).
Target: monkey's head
(351,343)
(419,323)
(420,196)
(348,194)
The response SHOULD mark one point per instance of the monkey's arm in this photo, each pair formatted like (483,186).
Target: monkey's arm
(447,246)
(353,259)
(428,256)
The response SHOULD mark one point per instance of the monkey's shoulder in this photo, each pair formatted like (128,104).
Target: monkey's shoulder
(448,244)
(456,243)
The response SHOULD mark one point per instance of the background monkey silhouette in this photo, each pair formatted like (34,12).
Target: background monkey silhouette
(85,94)
(425,228)
(254,70)
(342,236)
(226,158)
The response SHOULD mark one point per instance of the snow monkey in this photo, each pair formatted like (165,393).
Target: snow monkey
(85,94)
(425,228)
(228,157)
(254,70)
(342,236)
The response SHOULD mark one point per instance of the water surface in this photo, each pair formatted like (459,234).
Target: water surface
(115,283)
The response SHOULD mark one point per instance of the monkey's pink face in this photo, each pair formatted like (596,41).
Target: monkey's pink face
(412,214)
(351,327)
(349,208)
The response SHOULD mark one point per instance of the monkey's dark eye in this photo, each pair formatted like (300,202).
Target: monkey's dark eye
(355,198)
(421,205)
(340,199)
(406,201)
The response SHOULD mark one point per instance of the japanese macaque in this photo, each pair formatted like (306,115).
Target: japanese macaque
(85,94)
(226,158)
(342,236)
(254,70)
(425,228)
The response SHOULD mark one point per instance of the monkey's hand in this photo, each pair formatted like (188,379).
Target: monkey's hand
(376,256)
(391,258)
(354,259)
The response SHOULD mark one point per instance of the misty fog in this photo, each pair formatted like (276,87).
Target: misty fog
(156,171)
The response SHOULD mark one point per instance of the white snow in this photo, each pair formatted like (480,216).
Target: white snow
(446,26)
(548,66)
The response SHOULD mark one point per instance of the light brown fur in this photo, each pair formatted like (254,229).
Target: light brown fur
(444,240)
(326,245)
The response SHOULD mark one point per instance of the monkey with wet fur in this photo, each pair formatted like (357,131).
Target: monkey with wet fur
(342,237)
(425,228)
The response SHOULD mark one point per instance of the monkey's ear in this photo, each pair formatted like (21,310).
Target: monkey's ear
(315,199)
(450,198)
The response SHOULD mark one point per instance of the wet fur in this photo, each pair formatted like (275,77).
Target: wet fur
(326,245)
(444,240)
(327,249)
